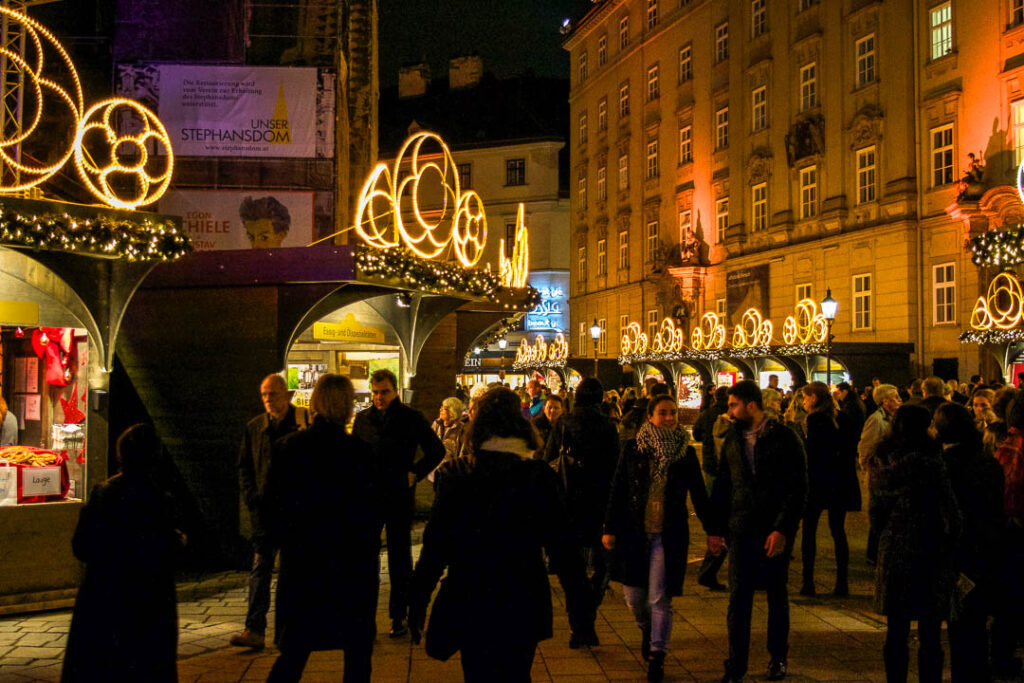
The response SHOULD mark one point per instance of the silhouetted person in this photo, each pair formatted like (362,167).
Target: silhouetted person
(125,621)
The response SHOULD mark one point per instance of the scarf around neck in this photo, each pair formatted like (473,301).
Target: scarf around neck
(662,446)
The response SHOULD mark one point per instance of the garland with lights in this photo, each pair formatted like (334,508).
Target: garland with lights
(505,325)
(724,353)
(992,336)
(998,247)
(101,235)
(557,364)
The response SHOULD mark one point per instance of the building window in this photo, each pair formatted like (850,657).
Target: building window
(602,342)
(581,265)
(721,219)
(515,171)
(758,17)
(602,114)
(583,127)
(862,302)
(720,308)
(759,108)
(602,50)
(602,184)
(808,86)
(653,242)
(686,62)
(722,128)
(1017,127)
(759,203)
(866,175)
(809,192)
(623,324)
(942,155)
(583,66)
(602,257)
(623,33)
(721,42)
(623,250)
(1017,13)
(653,90)
(803,291)
(583,190)
(624,172)
(685,220)
(865,49)
(652,14)
(685,144)
(942,30)
(465,175)
(944,289)
(509,243)
(652,159)
(624,100)
(584,335)
(652,324)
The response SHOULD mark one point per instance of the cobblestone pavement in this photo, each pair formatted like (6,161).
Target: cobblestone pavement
(830,639)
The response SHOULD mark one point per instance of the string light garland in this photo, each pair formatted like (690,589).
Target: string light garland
(134,239)
(998,247)
(992,336)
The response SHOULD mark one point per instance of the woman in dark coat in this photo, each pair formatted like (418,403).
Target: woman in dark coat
(977,481)
(125,622)
(918,520)
(328,582)
(494,511)
(647,527)
(831,485)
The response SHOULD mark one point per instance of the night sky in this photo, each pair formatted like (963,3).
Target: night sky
(512,37)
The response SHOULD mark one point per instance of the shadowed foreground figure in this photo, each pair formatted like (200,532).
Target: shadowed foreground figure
(125,622)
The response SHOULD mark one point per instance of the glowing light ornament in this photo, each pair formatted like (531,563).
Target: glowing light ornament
(752,331)
(559,349)
(710,334)
(669,338)
(461,221)
(634,340)
(514,271)
(1002,307)
(807,326)
(97,132)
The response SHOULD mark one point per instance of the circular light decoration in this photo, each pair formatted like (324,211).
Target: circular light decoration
(669,338)
(1003,306)
(634,341)
(559,348)
(119,167)
(752,331)
(710,334)
(806,326)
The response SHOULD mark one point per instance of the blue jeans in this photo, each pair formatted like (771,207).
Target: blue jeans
(259,589)
(652,606)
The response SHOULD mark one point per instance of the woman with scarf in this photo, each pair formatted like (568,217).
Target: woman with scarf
(647,526)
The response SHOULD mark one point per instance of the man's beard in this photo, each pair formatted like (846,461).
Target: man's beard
(743,422)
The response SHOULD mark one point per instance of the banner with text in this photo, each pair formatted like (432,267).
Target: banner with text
(239,111)
(259,219)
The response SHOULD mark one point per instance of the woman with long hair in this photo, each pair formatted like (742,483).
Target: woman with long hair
(831,485)
(494,511)
(647,523)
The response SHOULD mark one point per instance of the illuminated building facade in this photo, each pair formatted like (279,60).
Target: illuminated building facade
(744,152)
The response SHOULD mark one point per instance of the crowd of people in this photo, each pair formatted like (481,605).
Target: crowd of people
(591,486)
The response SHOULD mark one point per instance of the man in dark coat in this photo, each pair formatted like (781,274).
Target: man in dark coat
(394,431)
(704,431)
(757,500)
(279,419)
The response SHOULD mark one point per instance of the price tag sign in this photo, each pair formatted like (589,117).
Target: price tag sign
(40,481)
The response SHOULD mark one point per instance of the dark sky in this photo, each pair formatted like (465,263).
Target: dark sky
(511,36)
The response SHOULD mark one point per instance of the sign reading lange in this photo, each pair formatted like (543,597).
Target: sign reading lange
(239,111)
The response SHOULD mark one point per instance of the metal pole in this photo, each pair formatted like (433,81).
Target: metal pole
(595,359)
(828,357)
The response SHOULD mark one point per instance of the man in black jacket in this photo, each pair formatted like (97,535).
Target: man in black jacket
(704,431)
(395,431)
(757,499)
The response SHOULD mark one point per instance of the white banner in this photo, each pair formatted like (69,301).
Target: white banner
(260,219)
(246,111)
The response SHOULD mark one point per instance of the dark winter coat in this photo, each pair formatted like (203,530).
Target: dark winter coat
(254,461)
(329,541)
(492,515)
(771,498)
(592,442)
(977,481)
(394,435)
(832,481)
(125,622)
(918,521)
(703,431)
(626,510)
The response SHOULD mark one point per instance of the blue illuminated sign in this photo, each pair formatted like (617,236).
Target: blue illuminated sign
(552,313)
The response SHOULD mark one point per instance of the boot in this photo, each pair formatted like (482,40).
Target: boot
(656,666)
(842,589)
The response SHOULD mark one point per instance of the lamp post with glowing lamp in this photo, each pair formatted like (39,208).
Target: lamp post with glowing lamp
(595,334)
(502,344)
(829,307)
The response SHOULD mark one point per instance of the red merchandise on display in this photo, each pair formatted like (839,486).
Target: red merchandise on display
(42,474)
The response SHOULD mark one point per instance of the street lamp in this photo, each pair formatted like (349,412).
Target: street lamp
(829,306)
(502,343)
(595,334)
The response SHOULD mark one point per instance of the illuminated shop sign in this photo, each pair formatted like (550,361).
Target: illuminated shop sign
(550,313)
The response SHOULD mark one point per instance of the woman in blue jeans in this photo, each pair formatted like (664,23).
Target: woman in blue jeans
(646,525)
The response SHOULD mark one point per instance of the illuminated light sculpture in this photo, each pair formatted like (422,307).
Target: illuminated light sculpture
(461,221)
(558,351)
(634,340)
(752,331)
(669,338)
(807,326)
(1002,307)
(97,130)
(710,334)
(514,271)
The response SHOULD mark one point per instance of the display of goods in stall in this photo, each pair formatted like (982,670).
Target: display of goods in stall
(29,456)
(32,475)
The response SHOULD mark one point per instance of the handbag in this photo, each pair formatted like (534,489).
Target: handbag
(441,640)
(564,461)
